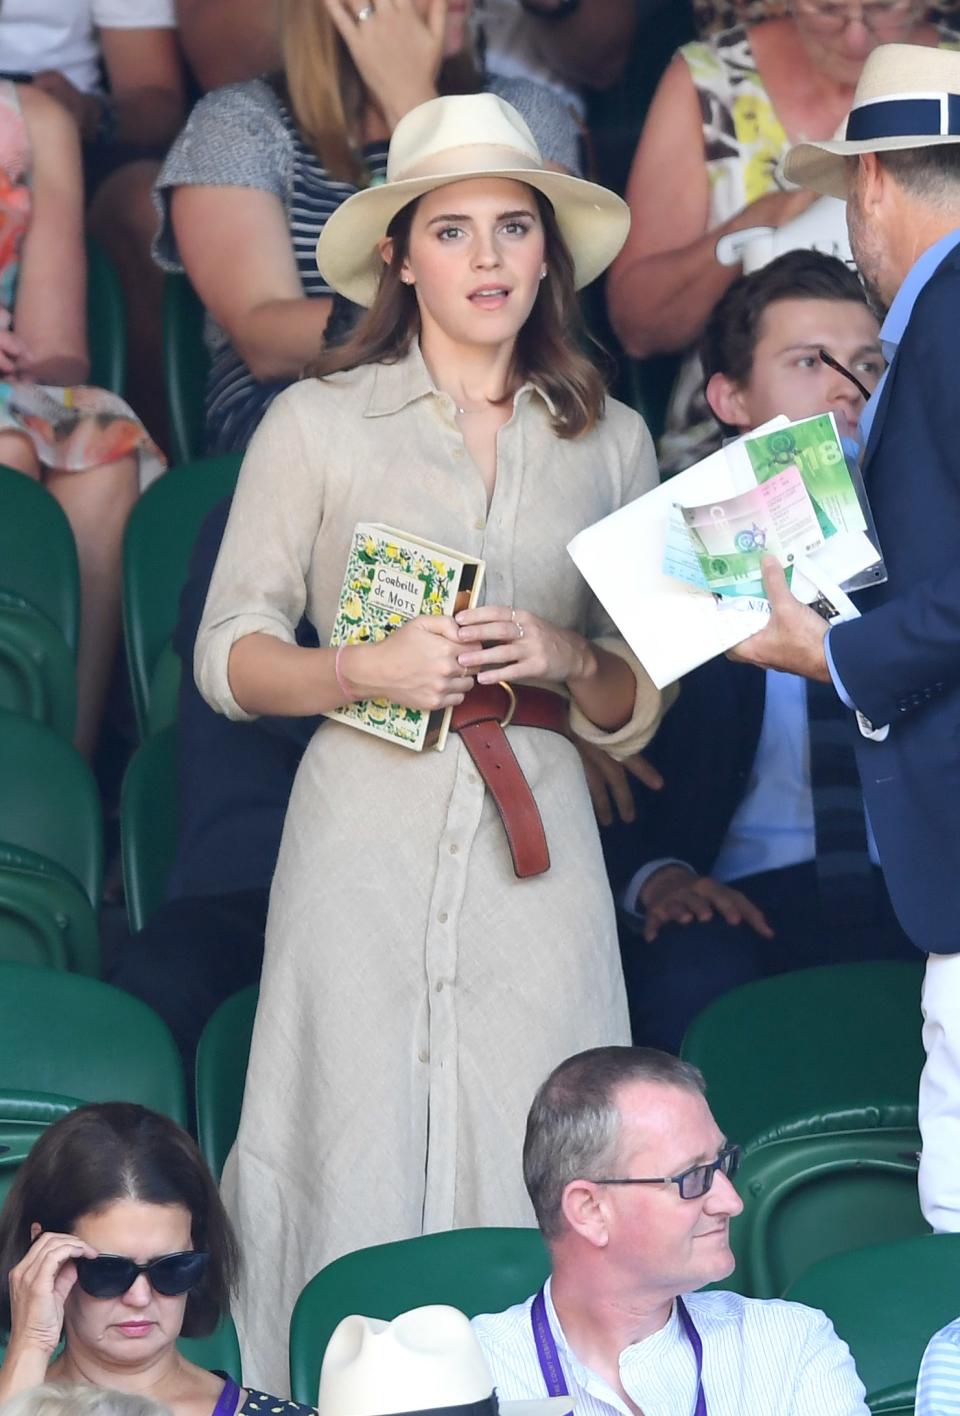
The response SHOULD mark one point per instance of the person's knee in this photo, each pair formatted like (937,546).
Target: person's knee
(18,452)
(122,212)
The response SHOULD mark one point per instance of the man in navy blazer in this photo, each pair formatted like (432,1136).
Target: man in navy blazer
(721,870)
(898,666)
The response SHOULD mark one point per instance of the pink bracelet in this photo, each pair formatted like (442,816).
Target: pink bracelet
(345,689)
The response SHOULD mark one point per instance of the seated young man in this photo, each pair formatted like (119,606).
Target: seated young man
(752,859)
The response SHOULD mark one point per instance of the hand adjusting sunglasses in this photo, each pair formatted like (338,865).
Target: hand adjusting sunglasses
(109,1275)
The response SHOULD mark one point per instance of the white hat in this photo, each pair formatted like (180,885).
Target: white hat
(425,1360)
(446,140)
(908,97)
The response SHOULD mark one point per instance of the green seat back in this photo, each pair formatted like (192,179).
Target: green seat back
(75,1036)
(38,555)
(24,1116)
(49,801)
(886,1302)
(158,543)
(222,1054)
(38,673)
(45,918)
(148,825)
(839,1036)
(475,1270)
(106,322)
(186,364)
(219,1352)
(807,1196)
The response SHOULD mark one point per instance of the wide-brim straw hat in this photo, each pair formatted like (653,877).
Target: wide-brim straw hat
(908,97)
(425,1361)
(447,140)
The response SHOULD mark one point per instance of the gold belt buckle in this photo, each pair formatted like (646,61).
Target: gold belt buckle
(512,708)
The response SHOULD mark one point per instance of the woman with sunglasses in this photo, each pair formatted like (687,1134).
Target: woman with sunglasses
(114,1241)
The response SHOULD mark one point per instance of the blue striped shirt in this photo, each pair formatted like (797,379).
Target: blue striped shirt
(760,1358)
(938,1385)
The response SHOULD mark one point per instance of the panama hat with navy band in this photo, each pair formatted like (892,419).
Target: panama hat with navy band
(449,140)
(908,97)
(426,1362)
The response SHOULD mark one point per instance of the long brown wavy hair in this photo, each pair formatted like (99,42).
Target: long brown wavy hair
(325,90)
(549,348)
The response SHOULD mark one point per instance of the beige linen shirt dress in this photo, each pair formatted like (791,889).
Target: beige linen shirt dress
(415,992)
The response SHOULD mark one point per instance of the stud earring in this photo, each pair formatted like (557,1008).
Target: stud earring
(543,272)
(407,279)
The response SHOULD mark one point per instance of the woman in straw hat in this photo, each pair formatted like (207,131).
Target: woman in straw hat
(276,155)
(425,964)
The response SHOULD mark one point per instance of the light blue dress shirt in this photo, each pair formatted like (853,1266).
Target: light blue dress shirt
(938,1385)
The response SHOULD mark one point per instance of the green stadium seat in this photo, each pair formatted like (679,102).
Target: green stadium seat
(159,540)
(820,1185)
(186,364)
(106,322)
(45,918)
(38,555)
(475,1270)
(148,825)
(843,1036)
(49,802)
(24,1116)
(886,1302)
(38,671)
(222,1054)
(219,1352)
(78,1037)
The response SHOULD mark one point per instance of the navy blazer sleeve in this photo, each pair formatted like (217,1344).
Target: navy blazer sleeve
(906,651)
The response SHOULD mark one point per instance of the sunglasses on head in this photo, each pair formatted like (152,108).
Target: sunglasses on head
(109,1275)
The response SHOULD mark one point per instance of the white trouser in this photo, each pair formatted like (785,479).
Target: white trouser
(940,1094)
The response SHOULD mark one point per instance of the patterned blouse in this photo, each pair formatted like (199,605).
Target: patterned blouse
(744,141)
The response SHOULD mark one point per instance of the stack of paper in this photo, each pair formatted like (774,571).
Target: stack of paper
(678,570)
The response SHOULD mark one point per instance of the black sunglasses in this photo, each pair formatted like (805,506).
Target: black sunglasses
(109,1275)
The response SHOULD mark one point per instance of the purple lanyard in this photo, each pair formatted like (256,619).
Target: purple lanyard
(549,1358)
(227,1400)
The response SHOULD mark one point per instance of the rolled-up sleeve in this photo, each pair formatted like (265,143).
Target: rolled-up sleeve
(259,584)
(650,703)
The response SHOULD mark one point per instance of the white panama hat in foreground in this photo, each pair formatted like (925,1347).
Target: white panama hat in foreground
(448,140)
(908,97)
(426,1360)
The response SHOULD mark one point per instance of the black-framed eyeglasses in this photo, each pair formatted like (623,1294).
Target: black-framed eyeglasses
(109,1275)
(696,1181)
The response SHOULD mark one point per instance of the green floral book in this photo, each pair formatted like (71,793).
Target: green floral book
(390,578)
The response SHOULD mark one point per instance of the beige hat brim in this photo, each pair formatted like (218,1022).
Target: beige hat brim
(822,166)
(593,222)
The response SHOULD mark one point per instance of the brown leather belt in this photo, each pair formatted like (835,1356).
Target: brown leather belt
(480,720)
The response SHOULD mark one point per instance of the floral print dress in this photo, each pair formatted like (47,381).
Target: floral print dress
(744,141)
(71,429)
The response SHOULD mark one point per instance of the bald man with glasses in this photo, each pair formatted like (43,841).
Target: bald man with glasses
(630,1178)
